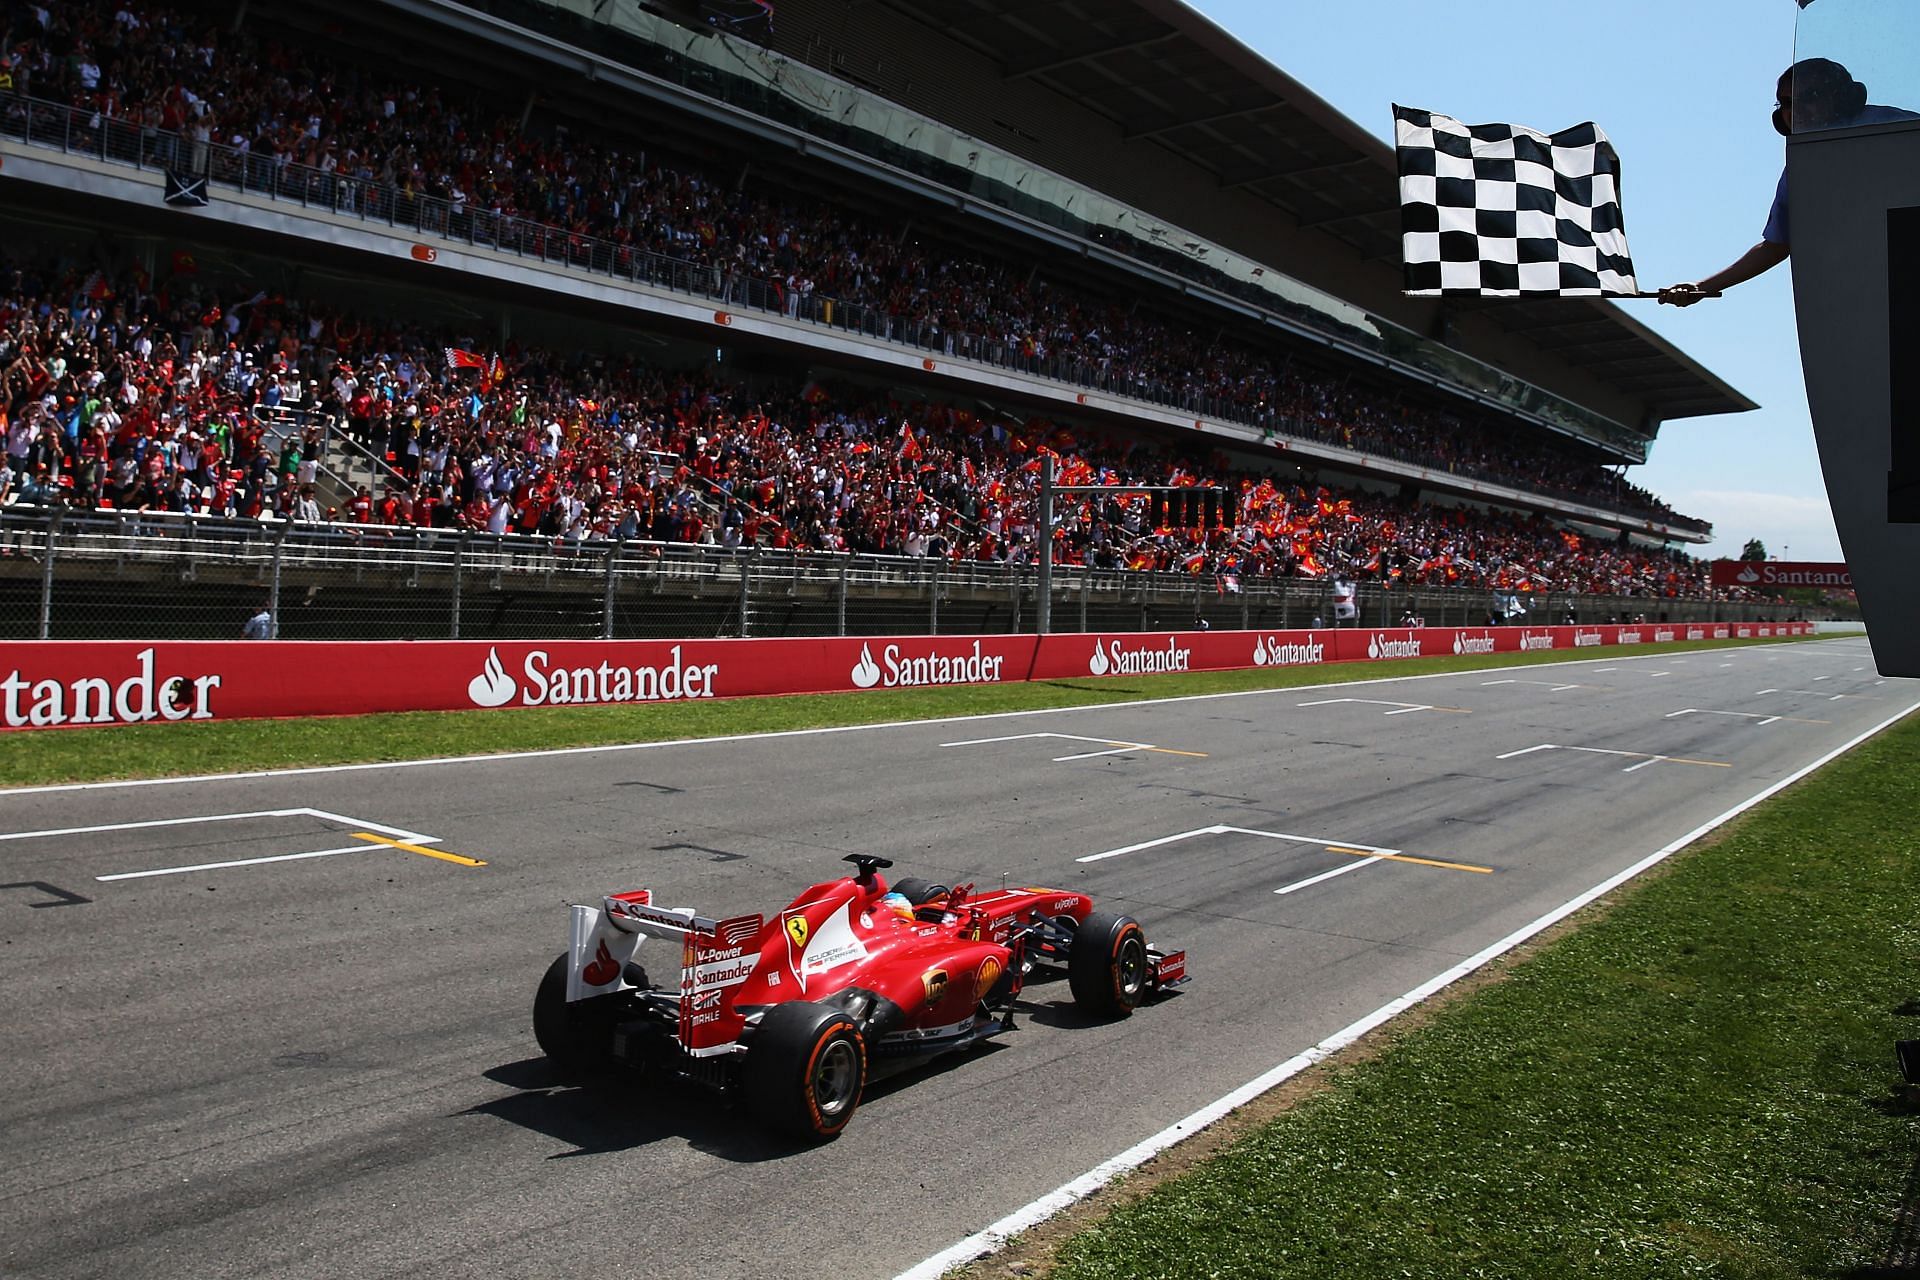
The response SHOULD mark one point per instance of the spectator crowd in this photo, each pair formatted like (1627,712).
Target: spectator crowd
(150,395)
(353,128)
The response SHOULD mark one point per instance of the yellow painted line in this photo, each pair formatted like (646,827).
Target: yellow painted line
(1710,764)
(1457,711)
(1418,862)
(1169,751)
(422,850)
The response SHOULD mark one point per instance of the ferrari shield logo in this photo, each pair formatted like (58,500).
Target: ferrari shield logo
(935,981)
(797,930)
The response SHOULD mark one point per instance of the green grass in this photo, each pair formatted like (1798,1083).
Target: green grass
(1699,1083)
(156,750)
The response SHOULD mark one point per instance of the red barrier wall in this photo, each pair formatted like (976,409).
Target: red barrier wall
(88,682)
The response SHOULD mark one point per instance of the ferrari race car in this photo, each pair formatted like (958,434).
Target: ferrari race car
(789,1013)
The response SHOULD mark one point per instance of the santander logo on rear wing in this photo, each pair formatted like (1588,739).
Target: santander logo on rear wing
(713,964)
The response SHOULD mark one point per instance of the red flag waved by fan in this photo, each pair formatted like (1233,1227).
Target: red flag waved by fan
(458,359)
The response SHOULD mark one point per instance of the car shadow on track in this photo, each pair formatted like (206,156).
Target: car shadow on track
(620,1114)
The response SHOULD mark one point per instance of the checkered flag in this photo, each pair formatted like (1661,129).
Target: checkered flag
(1499,211)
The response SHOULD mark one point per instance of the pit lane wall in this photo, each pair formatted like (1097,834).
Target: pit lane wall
(63,684)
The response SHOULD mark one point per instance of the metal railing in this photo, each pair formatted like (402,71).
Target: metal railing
(75,574)
(364,196)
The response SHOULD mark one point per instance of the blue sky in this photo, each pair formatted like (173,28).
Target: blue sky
(1684,88)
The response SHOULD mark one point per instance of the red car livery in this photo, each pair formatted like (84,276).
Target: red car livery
(793,1012)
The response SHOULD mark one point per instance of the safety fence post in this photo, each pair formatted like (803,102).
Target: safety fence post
(46,574)
(840,596)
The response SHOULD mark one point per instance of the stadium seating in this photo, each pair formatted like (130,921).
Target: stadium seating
(199,94)
(123,393)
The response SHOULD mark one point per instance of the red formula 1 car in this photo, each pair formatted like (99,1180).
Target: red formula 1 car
(792,1012)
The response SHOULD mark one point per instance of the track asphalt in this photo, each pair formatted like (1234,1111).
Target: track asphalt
(322,1066)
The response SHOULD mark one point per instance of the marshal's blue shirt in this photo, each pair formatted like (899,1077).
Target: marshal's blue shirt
(1776,229)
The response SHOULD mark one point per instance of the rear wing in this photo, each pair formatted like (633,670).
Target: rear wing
(716,956)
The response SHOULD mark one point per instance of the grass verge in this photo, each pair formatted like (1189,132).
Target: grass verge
(1698,1082)
(158,750)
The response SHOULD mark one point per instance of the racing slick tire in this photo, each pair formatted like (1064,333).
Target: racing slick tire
(578,1037)
(1107,967)
(916,890)
(804,1070)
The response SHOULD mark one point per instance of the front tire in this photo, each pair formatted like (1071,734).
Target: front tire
(1107,965)
(577,1037)
(805,1070)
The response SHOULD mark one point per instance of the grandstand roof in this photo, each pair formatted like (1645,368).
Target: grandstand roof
(1164,73)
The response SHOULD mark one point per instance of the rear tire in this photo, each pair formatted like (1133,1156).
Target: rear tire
(577,1037)
(1107,965)
(805,1070)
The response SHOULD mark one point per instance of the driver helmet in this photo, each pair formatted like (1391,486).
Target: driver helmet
(894,904)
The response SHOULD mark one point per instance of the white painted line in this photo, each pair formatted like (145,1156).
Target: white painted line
(1600,671)
(1655,675)
(1548,685)
(1310,881)
(1405,707)
(242,862)
(499,757)
(1836,697)
(358,824)
(1761,716)
(1764,692)
(1312,840)
(1726,664)
(159,822)
(1114,747)
(996,1234)
(362,824)
(1545,746)
(1818,679)
(1152,844)
(1643,764)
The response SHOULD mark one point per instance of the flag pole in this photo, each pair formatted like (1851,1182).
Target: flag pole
(1657,292)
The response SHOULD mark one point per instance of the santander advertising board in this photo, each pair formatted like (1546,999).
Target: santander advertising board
(65,683)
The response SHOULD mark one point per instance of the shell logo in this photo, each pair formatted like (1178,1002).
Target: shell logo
(866,672)
(493,687)
(1099,664)
(990,972)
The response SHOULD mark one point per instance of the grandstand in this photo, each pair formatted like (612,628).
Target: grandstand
(602,271)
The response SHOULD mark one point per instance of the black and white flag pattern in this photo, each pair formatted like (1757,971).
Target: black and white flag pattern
(185,190)
(1497,210)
